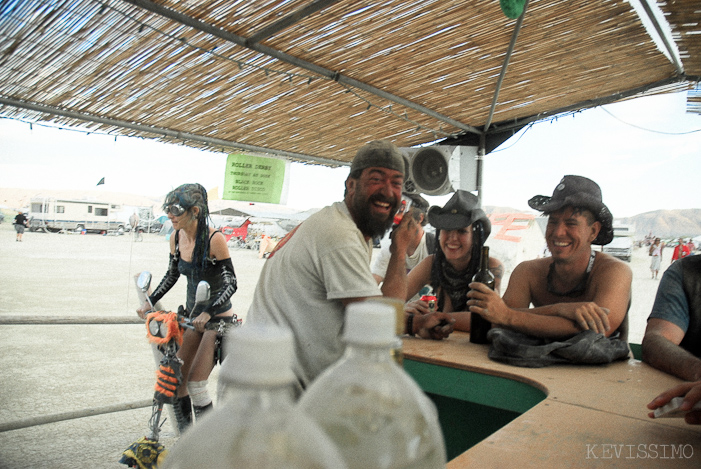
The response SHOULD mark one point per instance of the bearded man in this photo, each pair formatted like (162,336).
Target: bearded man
(324,264)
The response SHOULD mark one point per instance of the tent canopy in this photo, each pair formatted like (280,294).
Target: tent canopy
(312,80)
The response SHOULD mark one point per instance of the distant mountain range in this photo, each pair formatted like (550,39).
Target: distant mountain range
(666,223)
(661,223)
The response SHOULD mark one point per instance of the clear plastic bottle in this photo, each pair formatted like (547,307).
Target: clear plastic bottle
(371,408)
(255,423)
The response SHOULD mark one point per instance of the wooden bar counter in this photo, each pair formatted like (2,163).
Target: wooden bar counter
(562,415)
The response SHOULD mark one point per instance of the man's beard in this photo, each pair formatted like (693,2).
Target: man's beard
(367,224)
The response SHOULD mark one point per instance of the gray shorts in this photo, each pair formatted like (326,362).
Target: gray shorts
(19,229)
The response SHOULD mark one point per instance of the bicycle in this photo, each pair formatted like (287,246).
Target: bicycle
(164,330)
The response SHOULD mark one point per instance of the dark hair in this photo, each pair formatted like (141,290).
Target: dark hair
(189,196)
(353,175)
(478,239)
(419,206)
(583,211)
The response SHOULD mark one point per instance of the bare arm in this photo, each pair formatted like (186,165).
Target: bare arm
(395,281)
(512,312)
(218,248)
(661,350)
(419,276)
(603,314)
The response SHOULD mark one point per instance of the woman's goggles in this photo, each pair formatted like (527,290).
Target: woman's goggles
(175,209)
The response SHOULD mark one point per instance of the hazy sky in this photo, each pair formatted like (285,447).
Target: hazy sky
(644,153)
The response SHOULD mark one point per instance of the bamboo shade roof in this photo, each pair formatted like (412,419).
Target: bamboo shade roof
(314,80)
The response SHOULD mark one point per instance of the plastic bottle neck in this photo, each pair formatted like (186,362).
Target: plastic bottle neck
(369,353)
(263,397)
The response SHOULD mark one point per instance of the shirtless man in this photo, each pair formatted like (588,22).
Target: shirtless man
(577,288)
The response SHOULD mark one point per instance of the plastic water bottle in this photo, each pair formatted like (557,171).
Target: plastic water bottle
(371,408)
(255,423)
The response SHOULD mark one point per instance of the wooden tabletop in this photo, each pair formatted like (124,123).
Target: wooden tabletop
(592,416)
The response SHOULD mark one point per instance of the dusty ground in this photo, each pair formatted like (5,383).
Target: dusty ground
(51,369)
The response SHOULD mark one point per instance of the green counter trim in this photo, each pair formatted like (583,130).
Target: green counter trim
(637,350)
(483,389)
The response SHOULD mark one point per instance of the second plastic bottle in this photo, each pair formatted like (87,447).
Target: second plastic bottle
(371,408)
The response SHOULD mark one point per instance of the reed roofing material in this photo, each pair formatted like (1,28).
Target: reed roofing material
(319,86)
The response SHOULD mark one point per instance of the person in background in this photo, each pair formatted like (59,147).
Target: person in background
(462,228)
(20,224)
(324,264)
(681,250)
(672,341)
(692,247)
(200,253)
(419,248)
(577,288)
(656,252)
(134,220)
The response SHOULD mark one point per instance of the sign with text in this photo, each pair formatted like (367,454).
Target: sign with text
(255,179)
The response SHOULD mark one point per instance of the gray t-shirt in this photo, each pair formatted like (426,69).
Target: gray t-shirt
(326,259)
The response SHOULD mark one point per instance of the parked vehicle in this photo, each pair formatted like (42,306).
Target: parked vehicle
(622,244)
(51,214)
(152,225)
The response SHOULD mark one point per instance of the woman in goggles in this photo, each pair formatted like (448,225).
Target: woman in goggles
(198,252)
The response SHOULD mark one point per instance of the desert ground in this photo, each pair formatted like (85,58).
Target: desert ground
(86,369)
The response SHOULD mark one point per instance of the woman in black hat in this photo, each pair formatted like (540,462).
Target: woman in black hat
(461,230)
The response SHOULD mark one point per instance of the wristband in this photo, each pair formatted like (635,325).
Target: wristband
(409,325)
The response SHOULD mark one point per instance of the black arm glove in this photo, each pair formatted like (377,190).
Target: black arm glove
(171,276)
(229,285)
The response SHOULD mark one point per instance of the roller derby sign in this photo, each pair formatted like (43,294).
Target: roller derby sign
(255,179)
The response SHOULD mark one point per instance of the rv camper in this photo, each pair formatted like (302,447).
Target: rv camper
(50,214)
(622,244)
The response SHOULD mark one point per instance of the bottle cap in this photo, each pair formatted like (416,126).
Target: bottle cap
(258,355)
(370,322)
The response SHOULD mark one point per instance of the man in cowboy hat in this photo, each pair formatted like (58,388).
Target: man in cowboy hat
(577,288)
(324,264)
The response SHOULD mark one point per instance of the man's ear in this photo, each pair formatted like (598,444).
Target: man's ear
(596,228)
(350,185)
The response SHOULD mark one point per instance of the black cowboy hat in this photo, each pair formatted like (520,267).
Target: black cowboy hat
(578,192)
(461,211)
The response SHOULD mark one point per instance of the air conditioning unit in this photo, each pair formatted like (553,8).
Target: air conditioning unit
(440,169)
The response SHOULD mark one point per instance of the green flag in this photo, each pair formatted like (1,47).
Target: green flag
(255,179)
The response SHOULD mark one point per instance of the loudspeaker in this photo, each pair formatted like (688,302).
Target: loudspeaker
(440,169)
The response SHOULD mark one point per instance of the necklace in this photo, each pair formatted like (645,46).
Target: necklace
(580,288)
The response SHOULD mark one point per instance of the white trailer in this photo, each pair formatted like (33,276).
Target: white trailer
(50,214)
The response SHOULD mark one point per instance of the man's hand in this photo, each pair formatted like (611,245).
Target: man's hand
(403,234)
(586,315)
(691,390)
(486,302)
(436,326)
